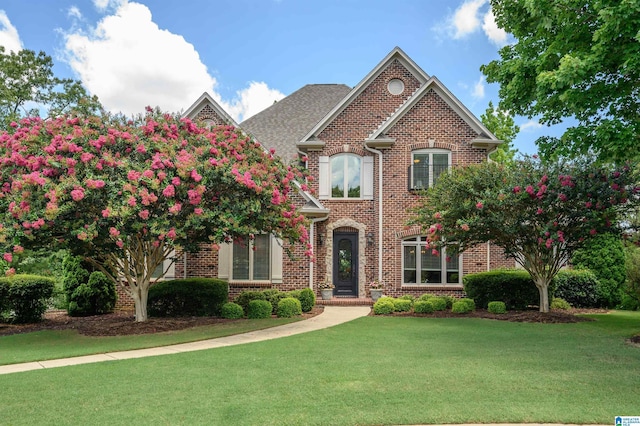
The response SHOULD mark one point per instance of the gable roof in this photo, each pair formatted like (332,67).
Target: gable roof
(285,122)
(485,137)
(395,54)
(204,100)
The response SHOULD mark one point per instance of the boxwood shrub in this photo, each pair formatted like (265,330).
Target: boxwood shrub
(497,307)
(402,305)
(258,309)
(307,299)
(579,287)
(423,307)
(558,303)
(98,296)
(384,306)
(245,297)
(187,297)
(289,307)
(232,310)
(439,303)
(274,296)
(513,286)
(26,297)
(461,307)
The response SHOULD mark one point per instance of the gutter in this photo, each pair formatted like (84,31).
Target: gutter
(380,213)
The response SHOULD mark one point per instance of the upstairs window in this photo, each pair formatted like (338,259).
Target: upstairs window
(427,166)
(421,266)
(346,176)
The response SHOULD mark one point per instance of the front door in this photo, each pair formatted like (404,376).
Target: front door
(345,263)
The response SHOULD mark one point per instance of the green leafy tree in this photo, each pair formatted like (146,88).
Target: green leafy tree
(604,255)
(501,124)
(27,83)
(128,193)
(576,59)
(539,213)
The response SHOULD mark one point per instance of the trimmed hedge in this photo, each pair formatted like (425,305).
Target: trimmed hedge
(497,308)
(274,296)
(307,299)
(439,303)
(98,296)
(244,298)
(514,287)
(423,307)
(384,306)
(289,307)
(461,307)
(26,297)
(187,297)
(402,305)
(578,287)
(232,310)
(558,303)
(258,309)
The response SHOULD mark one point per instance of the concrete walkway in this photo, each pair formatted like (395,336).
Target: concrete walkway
(332,315)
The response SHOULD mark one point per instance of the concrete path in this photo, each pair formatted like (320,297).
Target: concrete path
(332,315)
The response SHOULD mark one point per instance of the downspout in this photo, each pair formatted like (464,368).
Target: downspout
(380,213)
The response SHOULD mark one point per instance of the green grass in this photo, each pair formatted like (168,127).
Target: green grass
(372,371)
(43,345)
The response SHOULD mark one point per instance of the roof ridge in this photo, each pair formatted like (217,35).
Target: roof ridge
(395,111)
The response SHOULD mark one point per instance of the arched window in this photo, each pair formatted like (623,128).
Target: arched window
(426,166)
(421,266)
(346,176)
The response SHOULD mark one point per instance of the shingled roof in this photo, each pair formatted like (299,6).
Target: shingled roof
(285,122)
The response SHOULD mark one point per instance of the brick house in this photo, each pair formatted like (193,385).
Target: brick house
(371,149)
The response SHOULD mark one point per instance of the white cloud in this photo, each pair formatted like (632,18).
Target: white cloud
(496,35)
(103,5)
(530,125)
(129,63)
(478,88)
(74,12)
(9,37)
(465,19)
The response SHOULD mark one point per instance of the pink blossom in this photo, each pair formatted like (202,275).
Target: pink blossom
(175,181)
(141,149)
(195,176)
(148,174)
(435,252)
(479,205)
(77,194)
(10,272)
(549,242)
(172,233)
(529,190)
(588,204)
(95,184)
(169,191)
(144,214)
(106,213)
(198,211)
(133,175)
(464,227)
(132,201)
(593,232)
(437,216)
(113,232)
(119,243)
(562,197)
(561,236)
(18,249)
(194,197)
(539,211)
(82,236)
(86,157)
(8,257)
(175,208)
(615,186)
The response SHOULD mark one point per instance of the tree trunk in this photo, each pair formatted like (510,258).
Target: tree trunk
(140,295)
(543,288)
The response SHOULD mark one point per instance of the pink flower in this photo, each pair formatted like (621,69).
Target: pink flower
(539,211)
(86,156)
(198,211)
(548,243)
(529,190)
(172,233)
(148,174)
(195,176)
(516,189)
(437,216)
(95,184)
(479,205)
(10,272)
(169,191)
(113,232)
(18,249)
(175,181)
(435,252)
(593,232)
(562,197)
(8,257)
(144,214)
(82,236)
(464,227)
(175,208)
(77,194)
(119,243)
(106,213)
(133,175)
(132,201)
(588,204)
(141,149)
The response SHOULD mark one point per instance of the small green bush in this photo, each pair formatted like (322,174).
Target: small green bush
(245,297)
(423,307)
(274,296)
(578,287)
(470,303)
(187,297)
(26,297)
(289,307)
(513,286)
(460,307)
(384,306)
(232,310)
(307,299)
(258,309)
(449,300)
(497,307)
(426,296)
(558,303)
(98,296)
(439,303)
(408,297)
(402,305)
(629,303)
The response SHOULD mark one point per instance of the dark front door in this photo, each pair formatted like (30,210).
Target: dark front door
(345,263)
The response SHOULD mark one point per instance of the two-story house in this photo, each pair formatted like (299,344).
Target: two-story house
(371,150)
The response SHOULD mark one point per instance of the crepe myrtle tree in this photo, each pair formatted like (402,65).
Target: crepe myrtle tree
(538,212)
(125,193)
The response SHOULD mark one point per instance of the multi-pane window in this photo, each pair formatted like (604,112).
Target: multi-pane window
(421,266)
(251,258)
(427,166)
(346,176)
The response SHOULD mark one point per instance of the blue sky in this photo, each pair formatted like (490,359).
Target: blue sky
(249,53)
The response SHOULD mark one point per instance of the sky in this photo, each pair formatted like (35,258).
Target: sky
(248,54)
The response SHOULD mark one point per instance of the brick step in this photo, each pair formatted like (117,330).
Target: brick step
(345,301)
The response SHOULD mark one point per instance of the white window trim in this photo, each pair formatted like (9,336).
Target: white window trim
(225,262)
(443,265)
(429,151)
(366,178)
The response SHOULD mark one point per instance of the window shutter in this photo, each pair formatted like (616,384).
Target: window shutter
(276,260)
(325,178)
(170,266)
(367,178)
(224,261)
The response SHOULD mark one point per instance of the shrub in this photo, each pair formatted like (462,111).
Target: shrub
(578,287)
(245,297)
(423,307)
(460,307)
(426,296)
(307,299)
(274,296)
(408,297)
(439,303)
(289,307)
(96,297)
(469,302)
(514,287)
(232,310)
(258,309)
(497,308)
(629,303)
(402,305)
(604,255)
(74,274)
(384,306)
(558,303)
(631,296)
(449,300)
(27,297)
(187,297)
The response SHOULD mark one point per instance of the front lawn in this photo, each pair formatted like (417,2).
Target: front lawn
(371,371)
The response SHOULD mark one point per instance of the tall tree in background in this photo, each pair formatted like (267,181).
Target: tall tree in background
(501,124)
(573,58)
(27,83)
